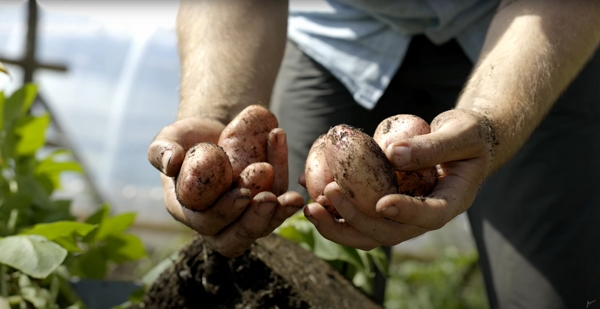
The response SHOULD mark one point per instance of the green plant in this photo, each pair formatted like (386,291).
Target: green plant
(41,246)
(356,265)
(452,280)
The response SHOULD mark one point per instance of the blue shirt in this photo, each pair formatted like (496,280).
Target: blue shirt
(363,42)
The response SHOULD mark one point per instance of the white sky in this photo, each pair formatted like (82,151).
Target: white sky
(137,17)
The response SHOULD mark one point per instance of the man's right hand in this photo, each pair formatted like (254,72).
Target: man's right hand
(237,219)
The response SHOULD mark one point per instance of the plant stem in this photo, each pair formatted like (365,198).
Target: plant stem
(12,221)
(54,288)
(3,289)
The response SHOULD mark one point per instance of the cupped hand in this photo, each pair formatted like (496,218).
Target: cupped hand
(237,218)
(460,146)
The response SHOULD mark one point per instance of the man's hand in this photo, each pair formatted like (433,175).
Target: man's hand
(461,146)
(237,219)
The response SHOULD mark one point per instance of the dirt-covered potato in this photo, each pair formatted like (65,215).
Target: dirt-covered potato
(204,176)
(413,183)
(244,139)
(318,175)
(359,167)
(257,177)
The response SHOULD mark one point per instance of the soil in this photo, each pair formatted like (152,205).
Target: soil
(273,273)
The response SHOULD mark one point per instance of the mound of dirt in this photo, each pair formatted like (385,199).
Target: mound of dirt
(273,273)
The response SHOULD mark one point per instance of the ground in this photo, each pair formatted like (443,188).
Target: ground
(273,273)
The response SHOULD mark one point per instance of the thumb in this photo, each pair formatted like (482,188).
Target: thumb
(455,135)
(167,150)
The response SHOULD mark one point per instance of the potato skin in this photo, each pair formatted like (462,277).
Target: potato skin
(413,183)
(317,174)
(257,177)
(359,167)
(204,176)
(245,138)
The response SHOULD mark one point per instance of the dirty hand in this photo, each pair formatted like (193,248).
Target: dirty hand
(237,218)
(460,145)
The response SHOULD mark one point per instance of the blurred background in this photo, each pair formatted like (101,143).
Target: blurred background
(108,72)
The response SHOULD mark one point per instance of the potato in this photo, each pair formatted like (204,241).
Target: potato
(413,183)
(244,139)
(204,176)
(257,177)
(318,175)
(360,167)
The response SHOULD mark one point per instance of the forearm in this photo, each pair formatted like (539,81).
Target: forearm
(230,52)
(533,50)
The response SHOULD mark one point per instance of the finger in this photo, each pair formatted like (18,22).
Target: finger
(168,149)
(455,135)
(238,236)
(337,231)
(212,220)
(386,232)
(453,194)
(302,180)
(277,156)
(289,203)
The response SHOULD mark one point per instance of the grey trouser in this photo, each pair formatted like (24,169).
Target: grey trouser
(536,221)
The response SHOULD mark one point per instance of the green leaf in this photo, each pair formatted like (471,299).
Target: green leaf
(32,134)
(65,233)
(33,255)
(69,243)
(18,201)
(91,264)
(299,230)
(52,169)
(124,248)
(115,225)
(99,216)
(60,229)
(4,303)
(328,250)
(380,260)
(33,293)
(18,104)
(96,218)
(137,295)
(29,185)
(59,211)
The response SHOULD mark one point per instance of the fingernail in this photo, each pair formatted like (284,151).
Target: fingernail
(390,211)
(401,156)
(280,138)
(308,214)
(335,197)
(266,208)
(166,158)
(241,202)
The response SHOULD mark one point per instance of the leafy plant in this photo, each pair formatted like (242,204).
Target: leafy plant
(452,280)
(41,246)
(356,265)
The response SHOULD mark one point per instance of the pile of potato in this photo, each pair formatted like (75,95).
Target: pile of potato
(357,163)
(238,161)
(345,155)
